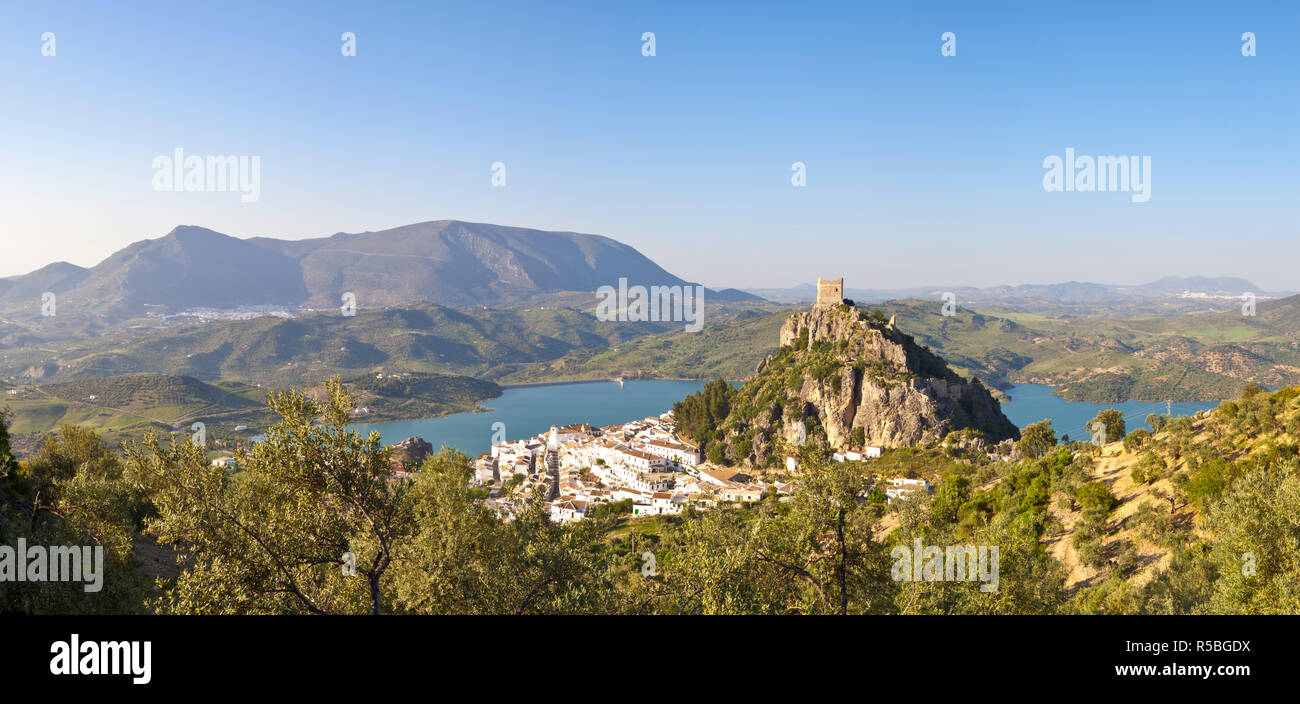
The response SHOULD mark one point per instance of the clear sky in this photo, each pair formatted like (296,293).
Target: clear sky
(921,169)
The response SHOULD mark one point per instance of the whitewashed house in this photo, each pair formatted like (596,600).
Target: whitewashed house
(901,488)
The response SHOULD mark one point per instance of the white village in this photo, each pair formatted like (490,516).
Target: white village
(577,468)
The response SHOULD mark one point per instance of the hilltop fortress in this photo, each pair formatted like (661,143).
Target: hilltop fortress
(850,381)
(830,292)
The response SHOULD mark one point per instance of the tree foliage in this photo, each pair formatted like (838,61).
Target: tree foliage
(1036,439)
(316,522)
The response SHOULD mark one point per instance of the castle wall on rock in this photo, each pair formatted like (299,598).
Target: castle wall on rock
(917,399)
(830,292)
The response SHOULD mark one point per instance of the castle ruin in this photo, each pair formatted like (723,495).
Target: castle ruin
(830,292)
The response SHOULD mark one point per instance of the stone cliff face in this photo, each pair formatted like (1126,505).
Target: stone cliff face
(839,370)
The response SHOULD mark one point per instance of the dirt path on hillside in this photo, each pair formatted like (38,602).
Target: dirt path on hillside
(1114,467)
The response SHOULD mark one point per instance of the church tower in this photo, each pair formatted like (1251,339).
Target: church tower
(552,458)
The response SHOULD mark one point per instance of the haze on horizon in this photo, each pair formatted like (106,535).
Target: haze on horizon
(921,169)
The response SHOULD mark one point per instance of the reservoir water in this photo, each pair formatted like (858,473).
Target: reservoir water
(1031,403)
(530,410)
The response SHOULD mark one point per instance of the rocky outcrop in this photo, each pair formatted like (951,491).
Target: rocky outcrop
(840,370)
(410,453)
(41,371)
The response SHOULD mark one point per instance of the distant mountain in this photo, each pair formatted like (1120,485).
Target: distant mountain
(794,294)
(447,261)
(1227,285)
(190,267)
(1068,299)
(59,276)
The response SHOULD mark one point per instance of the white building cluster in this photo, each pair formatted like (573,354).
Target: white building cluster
(579,467)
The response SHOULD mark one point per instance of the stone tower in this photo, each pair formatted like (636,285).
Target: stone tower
(830,292)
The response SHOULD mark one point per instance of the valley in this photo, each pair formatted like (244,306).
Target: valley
(176,335)
(1203,357)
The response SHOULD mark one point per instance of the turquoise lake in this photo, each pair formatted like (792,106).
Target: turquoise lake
(530,410)
(1031,403)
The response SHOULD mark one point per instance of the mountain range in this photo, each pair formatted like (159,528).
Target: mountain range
(451,262)
(447,262)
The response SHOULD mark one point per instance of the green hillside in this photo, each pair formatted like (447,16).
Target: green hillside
(414,395)
(150,392)
(273,350)
(129,406)
(729,345)
(124,407)
(1092,359)
(1206,357)
(1202,519)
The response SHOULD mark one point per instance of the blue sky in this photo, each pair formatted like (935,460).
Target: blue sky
(921,169)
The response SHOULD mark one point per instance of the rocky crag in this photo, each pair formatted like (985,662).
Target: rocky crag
(853,380)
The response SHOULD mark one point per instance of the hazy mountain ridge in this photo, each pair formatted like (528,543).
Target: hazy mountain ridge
(446,261)
(1171,295)
(59,275)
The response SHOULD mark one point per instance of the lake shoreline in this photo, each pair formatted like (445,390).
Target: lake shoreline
(530,408)
(526,411)
(611,380)
(1031,403)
